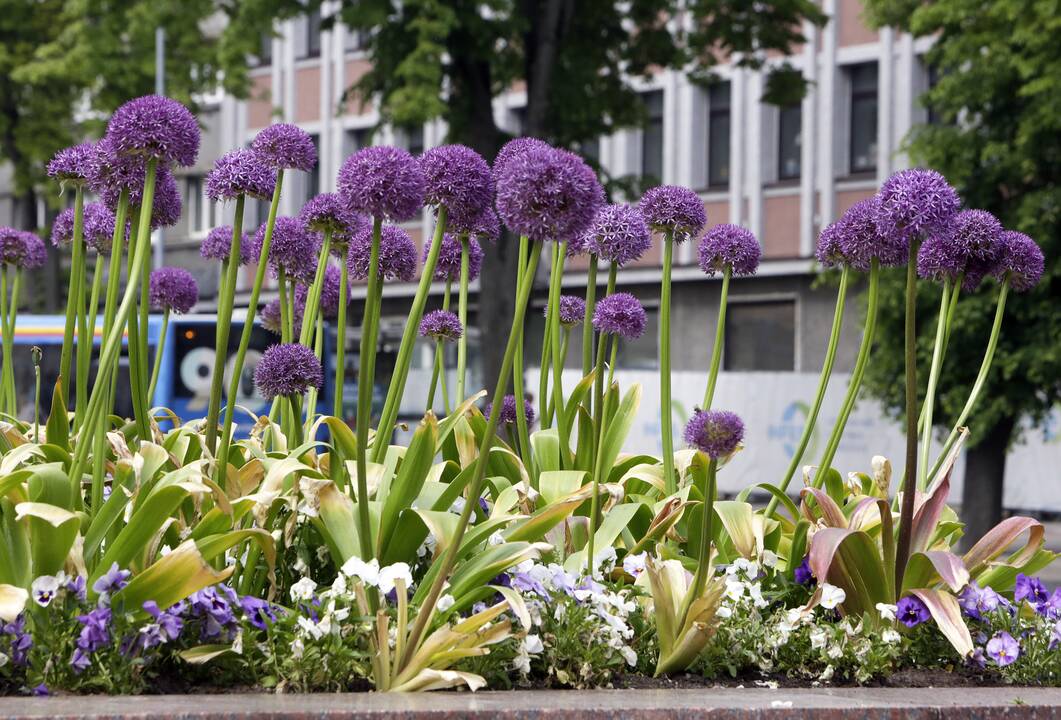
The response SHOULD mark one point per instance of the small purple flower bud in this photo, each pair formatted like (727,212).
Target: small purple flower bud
(716,433)
(732,246)
(285,147)
(441,325)
(286,370)
(397,255)
(673,209)
(218,243)
(155,126)
(174,289)
(383,182)
(240,172)
(620,314)
(619,234)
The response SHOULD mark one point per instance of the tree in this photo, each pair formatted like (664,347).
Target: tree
(450,59)
(998,140)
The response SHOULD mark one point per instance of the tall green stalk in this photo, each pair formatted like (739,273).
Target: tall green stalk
(73,308)
(313,294)
(598,469)
(340,343)
(703,552)
(720,338)
(86,342)
(438,371)
(137,383)
(557,352)
(665,410)
(462,314)
(925,420)
(365,385)
(312,393)
(159,351)
(7,406)
(906,513)
(598,379)
(587,319)
(544,418)
(522,426)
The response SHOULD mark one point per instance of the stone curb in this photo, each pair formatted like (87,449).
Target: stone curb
(1001,703)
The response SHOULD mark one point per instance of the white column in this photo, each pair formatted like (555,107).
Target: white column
(324,81)
(335,118)
(826,102)
(276,77)
(736,146)
(904,95)
(809,141)
(672,112)
(287,199)
(885,103)
(754,144)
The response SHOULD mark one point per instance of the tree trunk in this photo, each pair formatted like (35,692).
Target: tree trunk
(985,466)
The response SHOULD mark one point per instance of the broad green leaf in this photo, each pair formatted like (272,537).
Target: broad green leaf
(52,532)
(613,523)
(850,560)
(170,579)
(782,498)
(409,480)
(743,527)
(948,616)
(557,484)
(546,518)
(927,569)
(58,425)
(618,427)
(546,447)
(202,654)
(998,540)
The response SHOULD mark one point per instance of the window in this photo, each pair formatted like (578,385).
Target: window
(718,120)
(356,139)
(789,142)
(200,217)
(652,137)
(863,127)
(760,336)
(590,149)
(932,77)
(313,179)
(356,39)
(265,54)
(313,34)
(412,137)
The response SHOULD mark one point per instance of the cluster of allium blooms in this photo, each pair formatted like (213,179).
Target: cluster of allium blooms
(514,147)
(271,316)
(73,164)
(397,255)
(448,266)
(969,246)
(285,147)
(1020,262)
(673,209)
(173,288)
(383,182)
(729,246)
(547,194)
(166,208)
(240,172)
(21,249)
(716,433)
(441,325)
(327,212)
(155,127)
(286,370)
(619,234)
(854,239)
(509,410)
(487,226)
(97,227)
(827,251)
(620,314)
(914,203)
(293,250)
(457,178)
(572,310)
(218,243)
(329,302)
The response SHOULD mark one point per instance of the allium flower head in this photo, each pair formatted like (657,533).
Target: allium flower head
(457,178)
(97,227)
(509,410)
(915,202)
(21,249)
(327,212)
(548,194)
(572,310)
(674,209)
(729,245)
(827,251)
(912,611)
(487,226)
(619,234)
(285,147)
(383,182)
(1020,261)
(218,243)
(271,316)
(969,246)
(860,242)
(397,255)
(448,266)
(441,325)
(73,164)
(166,208)
(36,253)
(240,172)
(620,314)
(514,147)
(155,126)
(716,433)
(286,370)
(329,302)
(293,250)
(173,288)
(109,173)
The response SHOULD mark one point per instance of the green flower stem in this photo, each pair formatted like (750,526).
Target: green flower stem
(295,439)
(87,331)
(93,305)
(313,296)
(83,344)
(522,428)
(978,385)
(611,361)
(557,352)
(951,303)
(248,327)
(462,314)
(598,472)
(158,354)
(545,420)
(703,551)
(8,347)
(36,395)
(287,320)
(405,351)
(312,393)
(427,609)
(340,343)
(823,384)
(933,378)
(436,369)
(16,287)
(365,385)
(666,412)
(225,303)
(720,339)
(587,319)
(439,364)
(598,379)
(77,261)
(137,384)
(906,512)
(145,316)
(853,385)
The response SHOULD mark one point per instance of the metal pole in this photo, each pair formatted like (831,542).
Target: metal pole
(160,89)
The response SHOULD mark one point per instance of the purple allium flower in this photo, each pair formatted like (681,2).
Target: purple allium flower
(620,314)
(1031,589)
(802,574)
(155,126)
(240,172)
(914,203)
(35,254)
(287,369)
(619,234)
(1003,648)
(508,410)
(294,249)
(97,227)
(383,182)
(1020,261)
(270,316)
(285,147)
(173,288)
(977,601)
(73,164)
(859,241)
(441,325)
(457,178)
(515,147)
(911,611)
(716,433)
(487,226)
(21,249)
(397,255)
(166,208)
(111,581)
(218,243)
(329,301)
(729,245)
(673,209)
(828,251)
(548,194)
(968,246)
(258,612)
(327,212)
(572,310)
(448,266)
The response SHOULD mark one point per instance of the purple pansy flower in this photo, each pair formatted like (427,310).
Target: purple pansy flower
(802,574)
(911,611)
(1003,648)
(259,613)
(977,601)
(111,581)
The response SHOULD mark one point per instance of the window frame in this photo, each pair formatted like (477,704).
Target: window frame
(782,176)
(855,97)
(656,120)
(719,107)
(791,299)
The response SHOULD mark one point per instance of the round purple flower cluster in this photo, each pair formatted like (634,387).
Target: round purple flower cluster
(729,245)
(383,182)
(73,164)
(515,147)
(487,226)
(327,212)
(441,325)
(218,243)
(286,370)
(509,410)
(329,302)
(293,249)
(457,178)
(620,314)
(166,207)
(674,209)
(155,126)
(619,234)
(21,249)
(173,288)
(969,246)
(716,433)
(240,172)
(271,316)
(548,194)
(913,203)
(397,255)
(448,267)
(97,227)
(1020,262)
(572,310)
(857,241)
(285,147)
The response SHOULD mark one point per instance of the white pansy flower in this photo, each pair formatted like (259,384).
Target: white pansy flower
(532,645)
(4,659)
(887,612)
(297,648)
(445,603)
(835,652)
(237,644)
(831,596)
(339,587)
(521,663)
(366,572)
(45,588)
(755,593)
(303,589)
(634,564)
(390,575)
(828,673)
(890,636)
(310,628)
(458,506)
(818,638)
(605,559)
(769,558)
(629,655)
(734,590)
(496,538)
(724,612)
